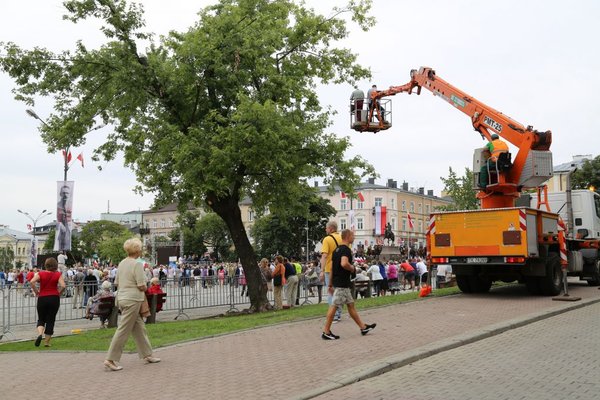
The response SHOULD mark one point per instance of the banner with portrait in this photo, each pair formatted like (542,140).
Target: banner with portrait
(64,210)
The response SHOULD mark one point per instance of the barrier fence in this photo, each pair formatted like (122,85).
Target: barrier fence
(19,303)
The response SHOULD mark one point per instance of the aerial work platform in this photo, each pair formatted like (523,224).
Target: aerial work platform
(375,119)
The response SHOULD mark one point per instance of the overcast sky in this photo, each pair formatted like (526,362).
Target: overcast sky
(536,61)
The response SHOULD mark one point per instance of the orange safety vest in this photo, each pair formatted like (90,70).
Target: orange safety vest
(498,147)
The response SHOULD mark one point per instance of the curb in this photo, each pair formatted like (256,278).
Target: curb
(390,363)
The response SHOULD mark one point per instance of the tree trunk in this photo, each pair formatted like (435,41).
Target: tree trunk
(229,210)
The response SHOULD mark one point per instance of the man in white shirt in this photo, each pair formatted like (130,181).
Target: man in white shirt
(422,271)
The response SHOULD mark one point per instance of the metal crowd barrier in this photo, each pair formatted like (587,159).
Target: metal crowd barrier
(184,294)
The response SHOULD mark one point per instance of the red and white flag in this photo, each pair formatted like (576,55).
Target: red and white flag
(380,220)
(410,221)
(80,158)
(29,226)
(361,198)
(342,195)
(67,156)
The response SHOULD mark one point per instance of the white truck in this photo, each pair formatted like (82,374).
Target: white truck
(582,216)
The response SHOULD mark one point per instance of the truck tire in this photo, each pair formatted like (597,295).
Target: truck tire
(551,284)
(595,281)
(464,283)
(479,284)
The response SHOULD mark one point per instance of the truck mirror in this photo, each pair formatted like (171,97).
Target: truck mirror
(582,233)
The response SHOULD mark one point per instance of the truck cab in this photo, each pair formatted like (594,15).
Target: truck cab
(586,211)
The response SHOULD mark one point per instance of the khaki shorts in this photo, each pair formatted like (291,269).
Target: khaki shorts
(342,296)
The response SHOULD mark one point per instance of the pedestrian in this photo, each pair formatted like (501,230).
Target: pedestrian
(291,277)
(278,274)
(408,274)
(357,97)
(265,269)
(342,272)
(51,287)
(375,103)
(376,277)
(93,305)
(422,271)
(131,286)
(330,243)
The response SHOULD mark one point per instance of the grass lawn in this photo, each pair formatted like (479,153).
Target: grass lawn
(168,333)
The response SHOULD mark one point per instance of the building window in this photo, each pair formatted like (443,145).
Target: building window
(393,204)
(343,203)
(403,224)
(343,224)
(162,223)
(393,224)
(420,208)
(360,205)
(154,224)
(250,215)
(170,223)
(412,206)
(359,224)
(427,209)
(378,201)
(403,205)
(420,226)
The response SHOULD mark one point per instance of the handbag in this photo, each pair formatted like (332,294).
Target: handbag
(145,308)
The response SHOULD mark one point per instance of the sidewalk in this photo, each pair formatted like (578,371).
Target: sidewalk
(289,360)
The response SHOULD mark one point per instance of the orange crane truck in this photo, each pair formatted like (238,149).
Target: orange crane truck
(501,241)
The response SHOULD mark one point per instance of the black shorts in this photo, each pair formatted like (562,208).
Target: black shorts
(410,275)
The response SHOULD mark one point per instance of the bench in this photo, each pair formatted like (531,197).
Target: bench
(364,288)
(155,301)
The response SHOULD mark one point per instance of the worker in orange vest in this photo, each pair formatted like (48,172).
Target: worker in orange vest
(493,149)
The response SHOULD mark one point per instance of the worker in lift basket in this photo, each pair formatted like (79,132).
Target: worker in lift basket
(493,149)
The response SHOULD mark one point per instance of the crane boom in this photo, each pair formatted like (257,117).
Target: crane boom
(532,145)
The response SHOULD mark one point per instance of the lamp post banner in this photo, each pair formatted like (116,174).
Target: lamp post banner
(64,210)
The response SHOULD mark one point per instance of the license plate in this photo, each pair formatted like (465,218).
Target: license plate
(477,260)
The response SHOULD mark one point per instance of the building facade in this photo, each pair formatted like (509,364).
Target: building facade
(19,242)
(399,204)
(558,182)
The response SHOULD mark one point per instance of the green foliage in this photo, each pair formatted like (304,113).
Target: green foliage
(285,232)
(193,242)
(225,110)
(101,237)
(7,258)
(588,175)
(215,234)
(461,190)
(49,243)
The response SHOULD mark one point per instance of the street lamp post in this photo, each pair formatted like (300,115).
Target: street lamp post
(44,213)
(32,114)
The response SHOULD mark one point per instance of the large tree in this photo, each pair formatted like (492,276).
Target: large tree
(214,234)
(224,110)
(461,189)
(7,258)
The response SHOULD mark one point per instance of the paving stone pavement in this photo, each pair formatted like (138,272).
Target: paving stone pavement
(288,360)
(555,358)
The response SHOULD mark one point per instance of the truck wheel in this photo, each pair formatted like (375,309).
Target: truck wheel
(479,284)
(595,281)
(532,283)
(464,283)
(551,284)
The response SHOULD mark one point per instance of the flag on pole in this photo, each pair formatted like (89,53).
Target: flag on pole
(361,198)
(29,226)
(410,221)
(342,195)
(80,158)
(67,156)
(380,220)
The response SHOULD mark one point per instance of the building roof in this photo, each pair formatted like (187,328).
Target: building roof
(374,186)
(6,231)
(578,161)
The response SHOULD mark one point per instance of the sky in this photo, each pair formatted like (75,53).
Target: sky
(535,61)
